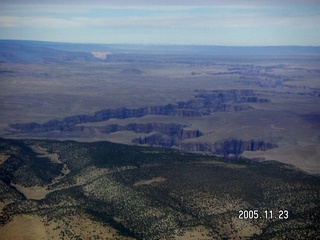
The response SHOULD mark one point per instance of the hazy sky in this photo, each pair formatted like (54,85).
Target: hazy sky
(204,22)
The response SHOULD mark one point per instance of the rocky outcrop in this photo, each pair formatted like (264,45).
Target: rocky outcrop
(203,104)
(162,134)
(165,128)
(155,140)
(216,98)
(234,147)
(168,136)
(261,76)
(226,148)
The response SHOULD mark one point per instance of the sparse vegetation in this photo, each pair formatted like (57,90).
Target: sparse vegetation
(245,108)
(201,194)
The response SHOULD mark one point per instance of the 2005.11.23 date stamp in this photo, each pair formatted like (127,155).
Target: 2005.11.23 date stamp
(266,214)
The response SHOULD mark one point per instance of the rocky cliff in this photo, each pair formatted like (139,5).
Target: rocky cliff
(203,104)
(167,135)
(234,147)
(161,134)
(164,128)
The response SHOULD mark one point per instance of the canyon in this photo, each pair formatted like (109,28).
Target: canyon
(158,142)
(159,133)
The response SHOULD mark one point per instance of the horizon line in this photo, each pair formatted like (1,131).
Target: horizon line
(156,44)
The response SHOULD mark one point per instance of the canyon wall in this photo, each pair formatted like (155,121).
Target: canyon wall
(203,104)
(234,147)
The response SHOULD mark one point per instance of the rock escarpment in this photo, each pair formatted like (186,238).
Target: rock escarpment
(161,134)
(170,129)
(204,103)
(167,135)
(231,147)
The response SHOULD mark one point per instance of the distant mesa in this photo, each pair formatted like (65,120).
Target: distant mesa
(132,71)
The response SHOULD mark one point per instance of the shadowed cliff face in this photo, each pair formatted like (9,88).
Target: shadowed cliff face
(203,104)
(164,134)
(170,138)
(172,129)
(226,148)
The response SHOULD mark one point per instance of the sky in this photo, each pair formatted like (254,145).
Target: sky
(178,22)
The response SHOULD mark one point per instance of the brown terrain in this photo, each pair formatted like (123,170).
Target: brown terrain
(135,144)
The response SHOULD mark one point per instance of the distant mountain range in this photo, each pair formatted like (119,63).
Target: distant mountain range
(37,51)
